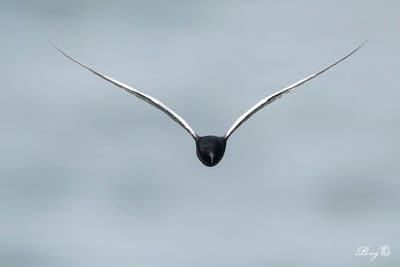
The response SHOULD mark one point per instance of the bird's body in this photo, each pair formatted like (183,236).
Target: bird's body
(209,149)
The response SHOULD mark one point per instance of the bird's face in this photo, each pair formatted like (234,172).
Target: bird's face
(210,149)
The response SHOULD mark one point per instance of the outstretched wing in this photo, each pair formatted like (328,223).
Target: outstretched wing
(269,99)
(149,99)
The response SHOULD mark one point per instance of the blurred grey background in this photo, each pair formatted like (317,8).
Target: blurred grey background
(92,176)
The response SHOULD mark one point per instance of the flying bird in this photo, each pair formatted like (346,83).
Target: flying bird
(209,149)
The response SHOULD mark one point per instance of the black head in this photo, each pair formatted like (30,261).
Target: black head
(210,149)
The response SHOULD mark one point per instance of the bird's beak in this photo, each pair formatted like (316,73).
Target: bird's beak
(212,157)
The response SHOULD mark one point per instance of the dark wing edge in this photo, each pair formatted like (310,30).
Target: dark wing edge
(149,99)
(271,98)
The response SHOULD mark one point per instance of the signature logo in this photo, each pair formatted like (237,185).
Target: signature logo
(373,252)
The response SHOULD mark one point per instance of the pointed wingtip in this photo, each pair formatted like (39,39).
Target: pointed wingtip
(53,45)
(363,43)
(355,50)
(58,49)
(366,40)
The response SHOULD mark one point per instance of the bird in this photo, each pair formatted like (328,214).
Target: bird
(210,149)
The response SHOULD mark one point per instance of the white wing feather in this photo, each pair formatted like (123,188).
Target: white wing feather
(149,99)
(269,99)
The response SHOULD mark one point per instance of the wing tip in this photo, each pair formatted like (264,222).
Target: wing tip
(363,43)
(55,47)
